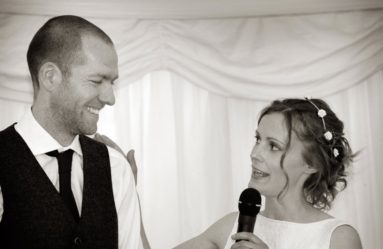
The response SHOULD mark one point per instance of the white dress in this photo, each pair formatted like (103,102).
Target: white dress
(279,234)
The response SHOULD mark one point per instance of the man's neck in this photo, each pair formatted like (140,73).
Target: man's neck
(59,133)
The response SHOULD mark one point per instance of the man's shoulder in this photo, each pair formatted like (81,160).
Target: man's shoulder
(118,162)
(87,140)
(7,135)
(8,130)
(91,146)
(11,144)
(116,155)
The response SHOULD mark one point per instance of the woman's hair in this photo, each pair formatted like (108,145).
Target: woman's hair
(326,149)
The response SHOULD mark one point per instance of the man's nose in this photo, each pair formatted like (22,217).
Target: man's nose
(107,94)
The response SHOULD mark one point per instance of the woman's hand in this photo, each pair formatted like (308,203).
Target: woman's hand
(132,162)
(247,241)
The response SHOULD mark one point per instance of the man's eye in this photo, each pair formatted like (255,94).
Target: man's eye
(96,81)
(257,139)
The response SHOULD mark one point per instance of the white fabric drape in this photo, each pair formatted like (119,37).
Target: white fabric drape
(193,149)
(181,9)
(192,123)
(230,57)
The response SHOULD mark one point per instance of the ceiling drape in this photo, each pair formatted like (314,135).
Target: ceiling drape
(252,58)
(181,9)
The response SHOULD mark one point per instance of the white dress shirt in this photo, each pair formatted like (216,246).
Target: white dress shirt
(125,196)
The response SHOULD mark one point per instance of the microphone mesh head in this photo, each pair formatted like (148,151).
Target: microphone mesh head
(249,202)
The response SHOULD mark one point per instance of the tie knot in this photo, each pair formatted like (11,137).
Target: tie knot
(55,153)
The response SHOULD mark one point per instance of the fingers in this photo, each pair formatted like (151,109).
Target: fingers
(247,240)
(132,161)
(243,245)
(130,157)
(243,236)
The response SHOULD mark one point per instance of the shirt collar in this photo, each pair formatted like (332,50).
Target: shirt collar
(38,139)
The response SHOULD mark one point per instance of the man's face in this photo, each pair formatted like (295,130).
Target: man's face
(80,97)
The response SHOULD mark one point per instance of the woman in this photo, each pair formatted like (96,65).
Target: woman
(298,164)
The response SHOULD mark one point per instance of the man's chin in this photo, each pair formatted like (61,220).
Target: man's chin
(90,130)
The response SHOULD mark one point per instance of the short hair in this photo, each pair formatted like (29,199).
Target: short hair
(59,41)
(301,117)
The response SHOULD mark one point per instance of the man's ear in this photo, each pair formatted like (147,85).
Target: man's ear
(50,76)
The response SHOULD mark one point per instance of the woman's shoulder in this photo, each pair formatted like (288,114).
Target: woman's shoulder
(345,236)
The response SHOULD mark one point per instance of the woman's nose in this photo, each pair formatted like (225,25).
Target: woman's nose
(256,153)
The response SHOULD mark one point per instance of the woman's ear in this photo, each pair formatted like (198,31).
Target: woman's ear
(50,76)
(310,169)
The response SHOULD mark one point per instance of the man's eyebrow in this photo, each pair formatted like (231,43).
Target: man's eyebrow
(103,76)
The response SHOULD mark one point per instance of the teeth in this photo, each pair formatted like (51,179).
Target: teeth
(258,173)
(93,110)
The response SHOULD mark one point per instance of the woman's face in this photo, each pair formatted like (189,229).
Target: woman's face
(271,140)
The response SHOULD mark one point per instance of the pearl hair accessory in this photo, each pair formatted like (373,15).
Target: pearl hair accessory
(327,134)
(336,152)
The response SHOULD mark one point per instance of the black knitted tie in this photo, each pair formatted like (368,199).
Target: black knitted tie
(65,165)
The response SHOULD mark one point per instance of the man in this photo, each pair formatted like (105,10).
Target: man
(73,65)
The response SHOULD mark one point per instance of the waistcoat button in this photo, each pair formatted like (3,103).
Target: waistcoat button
(77,241)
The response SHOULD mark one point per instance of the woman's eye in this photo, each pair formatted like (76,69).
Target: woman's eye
(96,81)
(274,147)
(257,139)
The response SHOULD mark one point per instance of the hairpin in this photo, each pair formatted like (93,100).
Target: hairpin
(327,134)
(335,152)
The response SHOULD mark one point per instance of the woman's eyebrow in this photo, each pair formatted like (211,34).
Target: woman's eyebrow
(270,138)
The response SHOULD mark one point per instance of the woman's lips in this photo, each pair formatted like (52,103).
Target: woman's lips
(258,173)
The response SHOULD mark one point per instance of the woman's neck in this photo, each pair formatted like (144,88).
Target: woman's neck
(294,209)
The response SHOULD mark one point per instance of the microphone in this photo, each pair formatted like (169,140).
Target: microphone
(249,205)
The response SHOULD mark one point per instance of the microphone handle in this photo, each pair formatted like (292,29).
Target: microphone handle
(245,224)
